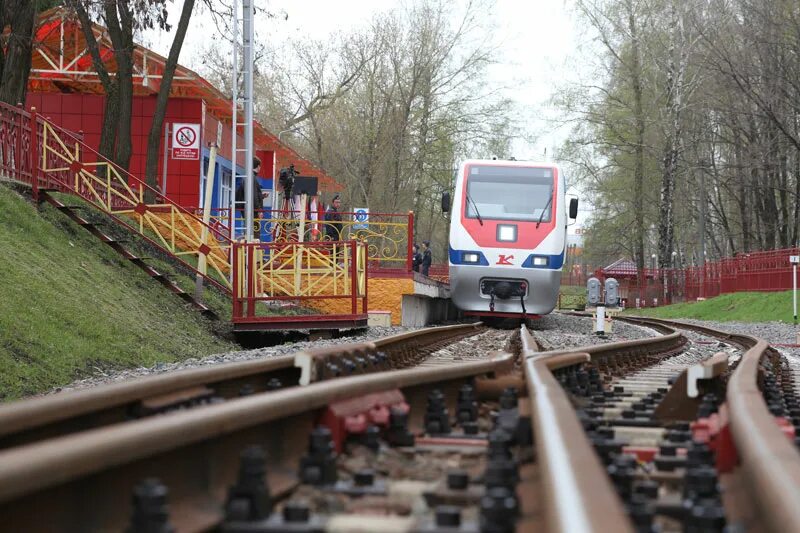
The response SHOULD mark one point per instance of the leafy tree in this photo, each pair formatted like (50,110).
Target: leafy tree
(17,45)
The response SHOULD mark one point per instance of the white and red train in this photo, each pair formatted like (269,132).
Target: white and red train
(508,237)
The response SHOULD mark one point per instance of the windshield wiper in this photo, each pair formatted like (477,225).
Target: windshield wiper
(469,198)
(549,201)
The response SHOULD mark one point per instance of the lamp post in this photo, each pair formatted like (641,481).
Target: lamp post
(674,275)
(653,272)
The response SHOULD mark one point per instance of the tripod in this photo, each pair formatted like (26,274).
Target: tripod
(285,225)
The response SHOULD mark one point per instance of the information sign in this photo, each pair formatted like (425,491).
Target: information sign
(361,218)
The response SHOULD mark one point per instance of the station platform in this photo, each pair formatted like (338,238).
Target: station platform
(429,303)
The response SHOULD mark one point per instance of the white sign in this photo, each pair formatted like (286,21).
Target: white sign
(361,218)
(794,259)
(185,141)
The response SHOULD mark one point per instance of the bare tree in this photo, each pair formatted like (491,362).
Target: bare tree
(154,138)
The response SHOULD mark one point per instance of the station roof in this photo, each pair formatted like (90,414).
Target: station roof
(61,63)
(620,268)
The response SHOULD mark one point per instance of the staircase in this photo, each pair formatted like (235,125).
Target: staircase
(117,246)
(36,152)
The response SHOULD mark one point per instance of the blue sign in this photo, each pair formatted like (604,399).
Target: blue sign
(361,218)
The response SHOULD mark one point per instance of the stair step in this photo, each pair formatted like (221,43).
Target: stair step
(111,240)
(116,244)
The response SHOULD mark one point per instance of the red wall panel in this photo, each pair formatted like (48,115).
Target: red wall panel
(84,112)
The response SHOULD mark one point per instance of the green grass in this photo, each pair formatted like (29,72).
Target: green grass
(69,305)
(739,307)
(572,297)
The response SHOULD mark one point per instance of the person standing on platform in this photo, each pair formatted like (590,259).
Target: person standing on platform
(427,257)
(258,198)
(416,259)
(333,220)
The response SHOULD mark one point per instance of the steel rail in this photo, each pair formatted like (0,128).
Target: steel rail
(769,461)
(580,495)
(59,414)
(81,465)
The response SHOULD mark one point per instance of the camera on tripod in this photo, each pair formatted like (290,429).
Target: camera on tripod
(286,180)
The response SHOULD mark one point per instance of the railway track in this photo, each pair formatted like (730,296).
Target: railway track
(444,445)
(63,414)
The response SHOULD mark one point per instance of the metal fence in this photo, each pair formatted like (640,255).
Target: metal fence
(763,271)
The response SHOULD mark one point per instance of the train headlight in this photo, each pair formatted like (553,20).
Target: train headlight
(540,261)
(470,257)
(506,232)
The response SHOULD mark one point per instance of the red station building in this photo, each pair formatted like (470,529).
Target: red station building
(64,87)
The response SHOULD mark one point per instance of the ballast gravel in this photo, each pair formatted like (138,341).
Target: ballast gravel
(474,348)
(558,330)
(102,378)
(776,333)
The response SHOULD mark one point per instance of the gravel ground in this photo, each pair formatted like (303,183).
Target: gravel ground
(102,378)
(554,330)
(558,330)
(475,347)
(772,332)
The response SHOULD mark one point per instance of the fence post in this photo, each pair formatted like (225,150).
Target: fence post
(250,277)
(410,251)
(353,277)
(18,155)
(235,289)
(34,152)
(365,301)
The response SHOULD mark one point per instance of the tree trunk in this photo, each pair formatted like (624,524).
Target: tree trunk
(108,134)
(119,20)
(638,172)
(154,138)
(16,60)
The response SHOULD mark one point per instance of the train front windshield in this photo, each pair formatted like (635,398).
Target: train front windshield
(509,193)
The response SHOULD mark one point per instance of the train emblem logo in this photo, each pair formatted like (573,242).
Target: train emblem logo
(185,141)
(361,218)
(505,260)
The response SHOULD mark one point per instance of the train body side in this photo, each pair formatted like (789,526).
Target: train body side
(482,265)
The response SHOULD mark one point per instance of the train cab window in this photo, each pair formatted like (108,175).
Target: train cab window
(509,193)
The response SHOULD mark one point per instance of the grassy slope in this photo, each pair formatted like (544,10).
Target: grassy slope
(70,305)
(740,307)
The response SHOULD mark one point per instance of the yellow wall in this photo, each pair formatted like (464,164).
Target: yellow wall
(383,295)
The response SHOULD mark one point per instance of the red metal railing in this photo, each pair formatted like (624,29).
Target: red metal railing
(389,236)
(290,271)
(762,271)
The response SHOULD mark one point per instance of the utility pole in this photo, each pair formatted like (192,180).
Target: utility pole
(247,68)
(248,14)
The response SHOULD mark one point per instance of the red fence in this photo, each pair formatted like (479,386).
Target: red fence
(755,271)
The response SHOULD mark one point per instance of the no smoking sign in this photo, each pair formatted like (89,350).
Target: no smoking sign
(185,141)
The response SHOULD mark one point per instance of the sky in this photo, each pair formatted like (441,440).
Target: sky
(538,43)
(536,47)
